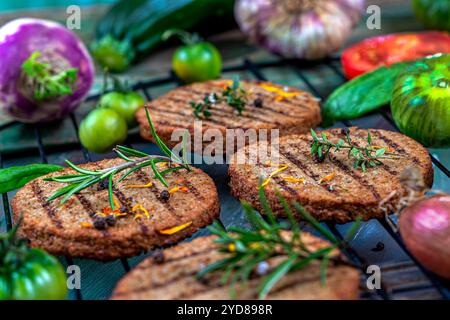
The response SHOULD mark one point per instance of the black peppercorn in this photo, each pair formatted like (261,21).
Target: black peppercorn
(110,220)
(99,223)
(258,103)
(158,257)
(165,195)
(345,131)
(103,185)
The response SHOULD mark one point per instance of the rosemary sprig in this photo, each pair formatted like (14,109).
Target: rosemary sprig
(135,160)
(234,96)
(364,157)
(247,252)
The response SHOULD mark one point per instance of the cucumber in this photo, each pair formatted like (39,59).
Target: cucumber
(130,30)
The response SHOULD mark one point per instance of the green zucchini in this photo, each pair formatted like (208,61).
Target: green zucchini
(132,29)
(361,95)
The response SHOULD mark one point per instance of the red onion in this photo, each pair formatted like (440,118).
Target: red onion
(425,228)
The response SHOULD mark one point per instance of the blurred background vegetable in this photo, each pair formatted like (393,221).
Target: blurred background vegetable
(434,14)
(45,71)
(29,274)
(421,101)
(425,229)
(385,50)
(133,29)
(305,29)
(121,99)
(361,95)
(197,60)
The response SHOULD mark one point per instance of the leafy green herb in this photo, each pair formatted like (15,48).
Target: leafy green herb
(234,96)
(16,177)
(248,251)
(135,160)
(48,84)
(364,157)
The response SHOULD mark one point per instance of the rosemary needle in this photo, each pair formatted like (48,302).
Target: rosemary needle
(134,160)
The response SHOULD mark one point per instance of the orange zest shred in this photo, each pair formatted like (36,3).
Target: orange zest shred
(328,178)
(136,186)
(139,207)
(281,168)
(86,225)
(295,180)
(232,247)
(138,216)
(175,229)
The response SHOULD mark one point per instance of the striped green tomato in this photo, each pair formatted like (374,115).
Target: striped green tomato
(421,101)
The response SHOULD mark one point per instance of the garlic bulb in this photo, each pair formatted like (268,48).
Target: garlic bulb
(306,29)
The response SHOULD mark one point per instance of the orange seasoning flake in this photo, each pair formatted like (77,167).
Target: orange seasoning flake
(86,225)
(137,186)
(294,180)
(140,208)
(281,168)
(175,229)
(179,188)
(281,94)
(327,178)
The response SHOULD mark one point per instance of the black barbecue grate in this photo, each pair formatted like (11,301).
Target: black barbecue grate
(406,279)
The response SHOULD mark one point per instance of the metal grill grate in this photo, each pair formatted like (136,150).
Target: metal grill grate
(399,280)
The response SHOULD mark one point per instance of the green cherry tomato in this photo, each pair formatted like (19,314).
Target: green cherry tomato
(125,104)
(102,129)
(39,276)
(197,62)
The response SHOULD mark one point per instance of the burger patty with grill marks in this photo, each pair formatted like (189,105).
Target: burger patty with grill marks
(268,106)
(171,274)
(72,229)
(331,190)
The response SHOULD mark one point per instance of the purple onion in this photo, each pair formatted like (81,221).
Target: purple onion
(60,48)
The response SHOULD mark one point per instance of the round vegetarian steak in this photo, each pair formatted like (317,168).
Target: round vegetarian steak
(171,274)
(331,189)
(268,106)
(72,228)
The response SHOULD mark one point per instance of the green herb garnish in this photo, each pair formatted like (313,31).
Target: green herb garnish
(248,251)
(367,156)
(234,96)
(47,83)
(135,160)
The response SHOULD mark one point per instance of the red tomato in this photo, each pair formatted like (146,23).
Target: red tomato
(385,50)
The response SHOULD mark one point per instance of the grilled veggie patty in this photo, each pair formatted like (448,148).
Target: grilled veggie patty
(69,229)
(266,108)
(171,274)
(332,190)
